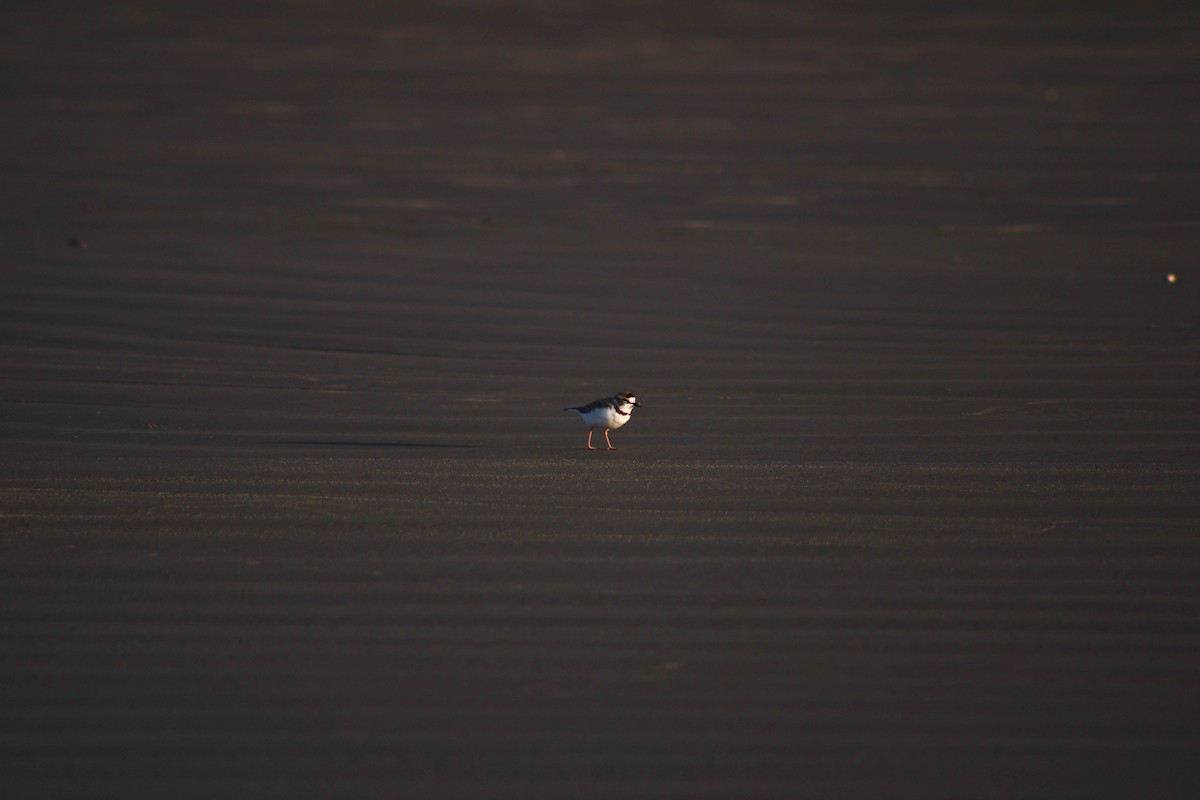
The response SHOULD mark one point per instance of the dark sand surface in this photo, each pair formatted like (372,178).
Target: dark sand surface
(289,505)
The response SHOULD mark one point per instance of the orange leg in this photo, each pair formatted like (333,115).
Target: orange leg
(589,443)
(606,441)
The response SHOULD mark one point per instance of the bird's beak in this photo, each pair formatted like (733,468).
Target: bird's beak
(637,405)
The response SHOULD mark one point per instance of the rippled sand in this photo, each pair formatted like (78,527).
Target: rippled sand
(293,296)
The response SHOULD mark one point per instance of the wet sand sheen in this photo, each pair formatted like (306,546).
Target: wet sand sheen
(290,506)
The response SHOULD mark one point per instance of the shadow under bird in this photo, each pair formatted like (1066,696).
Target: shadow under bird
(607,413)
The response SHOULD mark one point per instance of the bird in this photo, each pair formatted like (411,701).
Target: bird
(606,413)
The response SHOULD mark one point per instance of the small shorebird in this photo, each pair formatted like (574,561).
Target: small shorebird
(606,413)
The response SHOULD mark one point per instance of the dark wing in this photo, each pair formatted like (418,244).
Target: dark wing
(592,406)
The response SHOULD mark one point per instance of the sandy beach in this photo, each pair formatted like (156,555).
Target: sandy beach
(294,296)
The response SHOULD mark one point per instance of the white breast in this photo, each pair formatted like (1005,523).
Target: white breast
(606,417)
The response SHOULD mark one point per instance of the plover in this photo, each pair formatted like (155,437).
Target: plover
(606,413)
